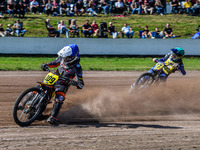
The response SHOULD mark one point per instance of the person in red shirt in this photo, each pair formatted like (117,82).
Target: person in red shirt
(95,28)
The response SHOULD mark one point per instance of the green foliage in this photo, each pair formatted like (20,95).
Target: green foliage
(182,25)
(94,63)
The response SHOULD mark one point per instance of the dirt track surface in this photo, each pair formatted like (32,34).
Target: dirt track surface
(104,116)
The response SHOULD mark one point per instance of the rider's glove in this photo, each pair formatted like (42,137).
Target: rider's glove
(80,84)
(44,67)
(155,60)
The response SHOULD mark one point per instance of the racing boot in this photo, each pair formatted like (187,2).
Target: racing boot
(53,116)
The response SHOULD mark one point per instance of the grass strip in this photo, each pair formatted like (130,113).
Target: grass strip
(92,63)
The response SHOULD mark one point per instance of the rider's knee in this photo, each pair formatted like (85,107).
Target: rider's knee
(60,97)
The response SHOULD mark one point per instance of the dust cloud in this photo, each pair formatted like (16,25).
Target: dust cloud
(177,97)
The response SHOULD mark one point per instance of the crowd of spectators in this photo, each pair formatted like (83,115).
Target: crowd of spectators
(18,8)
(18,29)
(105,31)
(88,30)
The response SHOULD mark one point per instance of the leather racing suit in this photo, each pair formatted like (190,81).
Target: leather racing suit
(61,88)
(167,59)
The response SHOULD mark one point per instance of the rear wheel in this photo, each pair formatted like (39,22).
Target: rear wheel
(144,81)
(26,108)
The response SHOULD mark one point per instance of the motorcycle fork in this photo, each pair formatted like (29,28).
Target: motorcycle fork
(156,78)
(41,97)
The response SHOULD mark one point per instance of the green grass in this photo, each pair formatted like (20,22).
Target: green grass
(182,25)
(94,63)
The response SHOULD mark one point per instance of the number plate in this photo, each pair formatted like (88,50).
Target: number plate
(159,66)
(50,79)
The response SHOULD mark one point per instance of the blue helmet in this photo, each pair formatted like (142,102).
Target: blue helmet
(70,54)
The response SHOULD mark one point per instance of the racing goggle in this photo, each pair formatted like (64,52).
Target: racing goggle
(174,56)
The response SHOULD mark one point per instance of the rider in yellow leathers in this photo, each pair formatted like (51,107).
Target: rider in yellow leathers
(175,56)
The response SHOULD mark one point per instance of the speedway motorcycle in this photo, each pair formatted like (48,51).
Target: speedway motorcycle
(33,101)
(147,80)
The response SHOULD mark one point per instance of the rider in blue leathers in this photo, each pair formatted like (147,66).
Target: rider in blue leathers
(68,61)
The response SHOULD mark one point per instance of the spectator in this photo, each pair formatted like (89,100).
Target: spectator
(140,3)
(135,7)
(87,30)
(51,29)
(148,7)
(10,9)
(9,31)
(163,2)
(54,8)
(48,8)
(74,28)
(112,6)
(92,8)
(168,31)
(18,28)
(34,5)
(2,34)
(112,31)
(159,7)
(126,6)
(95,28)
(103,6)
(152,6)
(63,29)
(79,8)
(127,31)
(42,6)
(129,2)
(156,34)
(2,9)
(85,4)
(65,7)
(174,5)
(188,6)
(145,6)
(146,33)
(119,6)
(195,8)
(196,35)
(20,9)
(26,5)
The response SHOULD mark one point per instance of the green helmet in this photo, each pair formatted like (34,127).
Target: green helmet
(178,51)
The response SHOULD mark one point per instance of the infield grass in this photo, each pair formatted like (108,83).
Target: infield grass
(93,63)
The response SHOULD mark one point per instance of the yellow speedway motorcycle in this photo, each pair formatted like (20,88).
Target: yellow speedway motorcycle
(33,101)
(148,79)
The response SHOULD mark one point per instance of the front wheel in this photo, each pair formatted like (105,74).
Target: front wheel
(26,108)
(144,81)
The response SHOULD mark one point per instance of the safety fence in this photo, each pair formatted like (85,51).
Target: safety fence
(97,46)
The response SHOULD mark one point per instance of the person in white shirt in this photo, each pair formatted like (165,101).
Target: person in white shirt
(119,6)
(127,31)
(63,29)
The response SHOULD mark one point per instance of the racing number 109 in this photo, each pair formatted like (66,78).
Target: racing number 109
(50,79)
